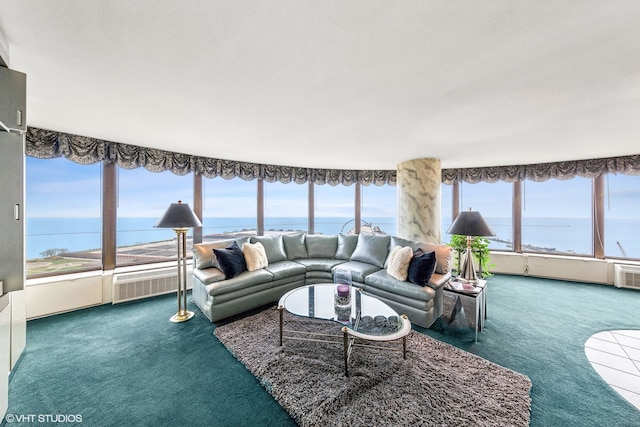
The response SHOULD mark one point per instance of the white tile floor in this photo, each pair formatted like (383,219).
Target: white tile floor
(615,355)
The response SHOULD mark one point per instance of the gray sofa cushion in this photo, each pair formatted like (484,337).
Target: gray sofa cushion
(346,246)
(242,281)
(273,247)
(359,270)
(384,281)
(294,246)
(372,249)
(319,264)
(284,269)
(321,246)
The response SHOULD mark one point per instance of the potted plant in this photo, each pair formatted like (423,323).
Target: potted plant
(479,249)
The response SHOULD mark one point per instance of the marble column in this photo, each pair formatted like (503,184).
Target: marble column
(418,186)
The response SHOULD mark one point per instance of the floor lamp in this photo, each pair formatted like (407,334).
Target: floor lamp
(181,218)
(471,224)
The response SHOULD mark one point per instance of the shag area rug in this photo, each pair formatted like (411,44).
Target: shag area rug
(437,384)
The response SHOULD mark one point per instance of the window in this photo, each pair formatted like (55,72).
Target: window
(622,216)
(285,207)
(446,204)
(63,216)
(556,216)
(143,197)
(229,208)
(494,202)
(335,208)
(380,207)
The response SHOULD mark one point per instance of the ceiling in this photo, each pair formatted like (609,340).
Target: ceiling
(359,84)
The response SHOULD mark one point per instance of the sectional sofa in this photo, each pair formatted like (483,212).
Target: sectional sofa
(222,289)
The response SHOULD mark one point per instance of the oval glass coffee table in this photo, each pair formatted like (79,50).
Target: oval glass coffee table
(364,318)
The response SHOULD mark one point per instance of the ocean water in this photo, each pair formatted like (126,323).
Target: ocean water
(568,235)
(80,234)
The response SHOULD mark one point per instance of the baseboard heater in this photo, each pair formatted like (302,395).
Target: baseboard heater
(626,276)
(144,284)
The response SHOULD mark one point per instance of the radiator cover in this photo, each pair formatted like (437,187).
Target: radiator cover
(144,284)
(626,276)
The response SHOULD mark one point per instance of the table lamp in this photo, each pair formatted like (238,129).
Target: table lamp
(181,218)
(471,224)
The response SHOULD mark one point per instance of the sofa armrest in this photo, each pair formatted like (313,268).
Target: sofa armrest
(208,275)
(438,280)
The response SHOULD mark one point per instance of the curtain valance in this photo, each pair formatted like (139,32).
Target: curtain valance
(46,144)
(628,165)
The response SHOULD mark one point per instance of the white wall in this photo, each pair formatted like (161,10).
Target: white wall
(59,294)
(18,325)
(560,267)
(5,352)
(4,49)
(13,336)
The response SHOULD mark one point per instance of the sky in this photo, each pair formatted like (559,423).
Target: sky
(61,188)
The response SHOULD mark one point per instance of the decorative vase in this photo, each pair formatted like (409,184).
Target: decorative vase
(342,288)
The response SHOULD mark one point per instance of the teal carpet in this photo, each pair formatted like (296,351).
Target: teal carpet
(538,327)
(127,365)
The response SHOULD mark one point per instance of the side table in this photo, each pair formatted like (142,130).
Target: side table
(461,290)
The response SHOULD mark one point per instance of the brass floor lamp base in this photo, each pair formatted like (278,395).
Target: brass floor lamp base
(181,316)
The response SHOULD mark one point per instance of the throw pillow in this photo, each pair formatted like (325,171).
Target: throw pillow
(399,262)
(203,256)
(321,246)
(399,241)
(443,256)
(294,246)
(230,260)
(254,256)
(273,247)
(372,249)
(421,267)
(346,245)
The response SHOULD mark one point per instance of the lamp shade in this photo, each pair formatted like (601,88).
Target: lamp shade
(470,223)
(179,215)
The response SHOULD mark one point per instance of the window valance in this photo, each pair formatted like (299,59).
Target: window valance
(46,144)
(628,165)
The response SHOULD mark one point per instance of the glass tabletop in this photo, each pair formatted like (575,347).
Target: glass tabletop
(365,315)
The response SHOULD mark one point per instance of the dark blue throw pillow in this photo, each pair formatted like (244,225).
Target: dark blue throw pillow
(421,267)
(231,260)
